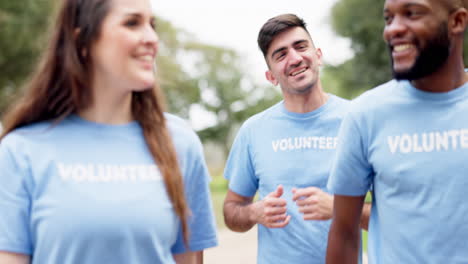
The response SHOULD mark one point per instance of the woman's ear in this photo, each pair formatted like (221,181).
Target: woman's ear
(76,33)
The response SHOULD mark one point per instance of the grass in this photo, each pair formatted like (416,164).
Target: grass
(364,233)
(219,187)
(364,241)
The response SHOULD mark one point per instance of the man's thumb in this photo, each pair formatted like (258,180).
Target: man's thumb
(278,192)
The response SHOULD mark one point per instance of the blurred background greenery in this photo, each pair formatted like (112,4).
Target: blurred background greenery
(209,77)
(189,70)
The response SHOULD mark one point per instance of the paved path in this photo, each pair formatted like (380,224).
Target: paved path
(233,248)
(236,248)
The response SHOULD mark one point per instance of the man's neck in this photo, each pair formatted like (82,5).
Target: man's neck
(305,103)
(449,77)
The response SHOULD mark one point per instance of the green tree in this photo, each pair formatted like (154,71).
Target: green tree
(186,68)
(233,95)
(362,22)
(180,87)
(211,77)
(22,28)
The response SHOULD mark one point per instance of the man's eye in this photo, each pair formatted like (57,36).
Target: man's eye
(416,12)
(411,14)
(387,19)
(279,56)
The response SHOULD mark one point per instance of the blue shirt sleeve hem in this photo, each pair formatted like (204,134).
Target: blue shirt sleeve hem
(19,249)
(199,245)
(337,191)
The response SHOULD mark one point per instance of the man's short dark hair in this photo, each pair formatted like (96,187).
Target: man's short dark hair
(275,26)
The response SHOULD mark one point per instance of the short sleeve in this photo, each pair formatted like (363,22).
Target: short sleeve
(201,222)
(239,170)
(15,200)
(351,172)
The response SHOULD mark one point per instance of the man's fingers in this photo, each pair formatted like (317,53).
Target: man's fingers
(277,219)
(312,216)
(315,216)
(280,224)
(307,202)
(274,202)
(269,211)
(300,194)
(277,193)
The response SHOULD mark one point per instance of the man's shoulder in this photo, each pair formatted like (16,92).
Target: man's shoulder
(338,105)
(378,91)
(376,97)
(339,100)
(262,116)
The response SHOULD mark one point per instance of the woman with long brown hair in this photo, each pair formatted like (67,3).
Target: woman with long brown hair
(92,169)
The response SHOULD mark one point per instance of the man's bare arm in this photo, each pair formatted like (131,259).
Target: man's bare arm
(236,212)
(192,257)
(241,213)
(343,239)
(13,258)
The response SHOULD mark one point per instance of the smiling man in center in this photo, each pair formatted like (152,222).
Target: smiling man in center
(285,153)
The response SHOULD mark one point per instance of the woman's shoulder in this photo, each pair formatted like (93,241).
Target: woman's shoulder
(178,126)
(181,132)
(27,133)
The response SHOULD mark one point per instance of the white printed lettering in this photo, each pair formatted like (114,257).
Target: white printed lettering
(107,173)
(441,141)
(416,146)
(464,138)
(298,143)
(393,143)
(275,145)
(428,142)
(405,143)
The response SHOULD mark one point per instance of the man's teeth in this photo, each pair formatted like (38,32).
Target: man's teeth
(403,47)
(298,72)
(147,58)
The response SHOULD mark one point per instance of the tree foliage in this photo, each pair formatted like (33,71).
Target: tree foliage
(190,72)
(22,28)
(362,22)
(211,77)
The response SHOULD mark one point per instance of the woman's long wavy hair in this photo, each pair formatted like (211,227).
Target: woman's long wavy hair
(60,86)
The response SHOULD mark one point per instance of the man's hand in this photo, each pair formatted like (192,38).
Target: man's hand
(271,210)
(313,203)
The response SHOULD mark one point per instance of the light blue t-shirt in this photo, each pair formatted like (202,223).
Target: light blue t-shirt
(412,147)
(295,150)
(85,193)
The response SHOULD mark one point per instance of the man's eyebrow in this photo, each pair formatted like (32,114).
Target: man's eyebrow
(300,42)
(277,51)
(414,4)
(283,48)
(407,5)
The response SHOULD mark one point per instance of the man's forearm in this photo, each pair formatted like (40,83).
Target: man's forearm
(13,258)
(343,247)
(189,258)
(343,238)
(238,216)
